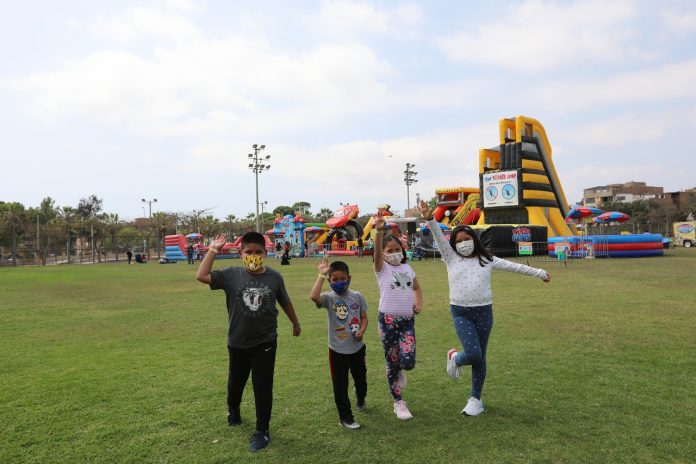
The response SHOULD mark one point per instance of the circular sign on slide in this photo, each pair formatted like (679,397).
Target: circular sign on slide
(491,193)
(508,191)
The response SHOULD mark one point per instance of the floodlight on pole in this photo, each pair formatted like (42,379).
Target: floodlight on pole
(409,179)
(258,166)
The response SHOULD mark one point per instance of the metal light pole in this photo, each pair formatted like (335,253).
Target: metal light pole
(257,164)
(409,179)
(149,223)
(263,203)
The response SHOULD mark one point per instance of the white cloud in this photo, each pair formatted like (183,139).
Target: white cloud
(619,130)
(344,18)
(679,21)
(668,82)
(365,171)
(142,22)
(179,89)
(539,35)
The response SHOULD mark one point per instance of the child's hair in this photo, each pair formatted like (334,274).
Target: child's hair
(479,249)
(253,237)
(338,266)
(392,238)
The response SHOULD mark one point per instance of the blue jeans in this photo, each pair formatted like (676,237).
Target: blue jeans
(473,326)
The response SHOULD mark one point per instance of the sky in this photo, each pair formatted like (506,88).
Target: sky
(164,99)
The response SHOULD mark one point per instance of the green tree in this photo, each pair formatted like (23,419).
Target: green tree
(284,210)
(301,207)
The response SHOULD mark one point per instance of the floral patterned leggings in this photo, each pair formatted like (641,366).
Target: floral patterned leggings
(398,335)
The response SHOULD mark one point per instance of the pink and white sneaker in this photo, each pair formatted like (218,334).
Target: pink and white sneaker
(401,410)
(454,371)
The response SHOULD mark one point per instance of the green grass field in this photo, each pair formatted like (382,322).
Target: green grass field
(116,363)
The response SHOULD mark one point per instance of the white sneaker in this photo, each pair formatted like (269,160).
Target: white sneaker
(473,407)
(402,380)
(401,410)
(454,371)
(349,425)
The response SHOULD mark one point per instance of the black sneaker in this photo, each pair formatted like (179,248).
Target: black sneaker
(234,418)
(360,404)
(260,440)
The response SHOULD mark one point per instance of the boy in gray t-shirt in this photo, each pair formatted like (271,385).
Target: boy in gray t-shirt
(347,321)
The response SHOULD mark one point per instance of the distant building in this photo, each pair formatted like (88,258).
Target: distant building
(676,198)
(627,192)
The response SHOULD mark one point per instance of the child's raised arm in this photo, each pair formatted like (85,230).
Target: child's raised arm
(203,274)
(315,293)
(443,245)
(379,232)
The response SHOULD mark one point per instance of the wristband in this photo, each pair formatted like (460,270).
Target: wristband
(323,276)
(214,250)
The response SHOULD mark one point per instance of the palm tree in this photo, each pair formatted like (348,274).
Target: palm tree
(112,225)
(324,214)
(66,215)
(231,218)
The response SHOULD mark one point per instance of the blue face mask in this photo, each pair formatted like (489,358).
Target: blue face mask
(340,287)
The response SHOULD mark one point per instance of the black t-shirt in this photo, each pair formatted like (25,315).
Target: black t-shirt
(251,304)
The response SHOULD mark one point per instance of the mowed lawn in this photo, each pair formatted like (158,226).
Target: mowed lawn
(114,363)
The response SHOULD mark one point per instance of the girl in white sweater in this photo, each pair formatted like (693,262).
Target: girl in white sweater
(469,267)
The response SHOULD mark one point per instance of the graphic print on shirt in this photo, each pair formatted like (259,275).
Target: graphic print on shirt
(401,281)
(255,297)
(340,311)
(354,325)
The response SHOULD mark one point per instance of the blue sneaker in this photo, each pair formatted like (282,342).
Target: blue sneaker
(260,440)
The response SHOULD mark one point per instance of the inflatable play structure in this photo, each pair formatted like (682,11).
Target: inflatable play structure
(175,247)
(290,229)
(520,204)
(609,246)
(518,180)
(457,205)
(344,231)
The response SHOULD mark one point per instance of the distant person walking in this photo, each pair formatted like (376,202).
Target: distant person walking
(129,253)
(189,253)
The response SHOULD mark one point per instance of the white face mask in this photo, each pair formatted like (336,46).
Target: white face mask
(465,247)
(393,258)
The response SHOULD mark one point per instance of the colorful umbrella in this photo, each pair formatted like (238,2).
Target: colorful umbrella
(194,235)
(613,216)
(442,226)
(581,212)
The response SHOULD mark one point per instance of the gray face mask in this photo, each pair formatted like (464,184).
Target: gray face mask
(466,247)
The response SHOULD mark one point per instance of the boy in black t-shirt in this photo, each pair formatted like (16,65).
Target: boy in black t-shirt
(251,293)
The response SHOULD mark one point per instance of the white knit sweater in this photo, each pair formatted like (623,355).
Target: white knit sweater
(469,282)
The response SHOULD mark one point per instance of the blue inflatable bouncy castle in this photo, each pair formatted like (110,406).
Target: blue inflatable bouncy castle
(291,229)
(612,246)
(175,247)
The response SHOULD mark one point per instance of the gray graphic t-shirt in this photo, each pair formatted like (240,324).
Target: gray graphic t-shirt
(251,304)
(344,313)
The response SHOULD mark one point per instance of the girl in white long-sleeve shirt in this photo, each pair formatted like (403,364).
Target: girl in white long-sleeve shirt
(469,267)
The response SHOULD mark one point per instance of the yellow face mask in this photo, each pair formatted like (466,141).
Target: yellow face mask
(253,262)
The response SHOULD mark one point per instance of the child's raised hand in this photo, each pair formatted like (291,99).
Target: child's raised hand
(425,210)
(379,220)
(219,241)
(323,266)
